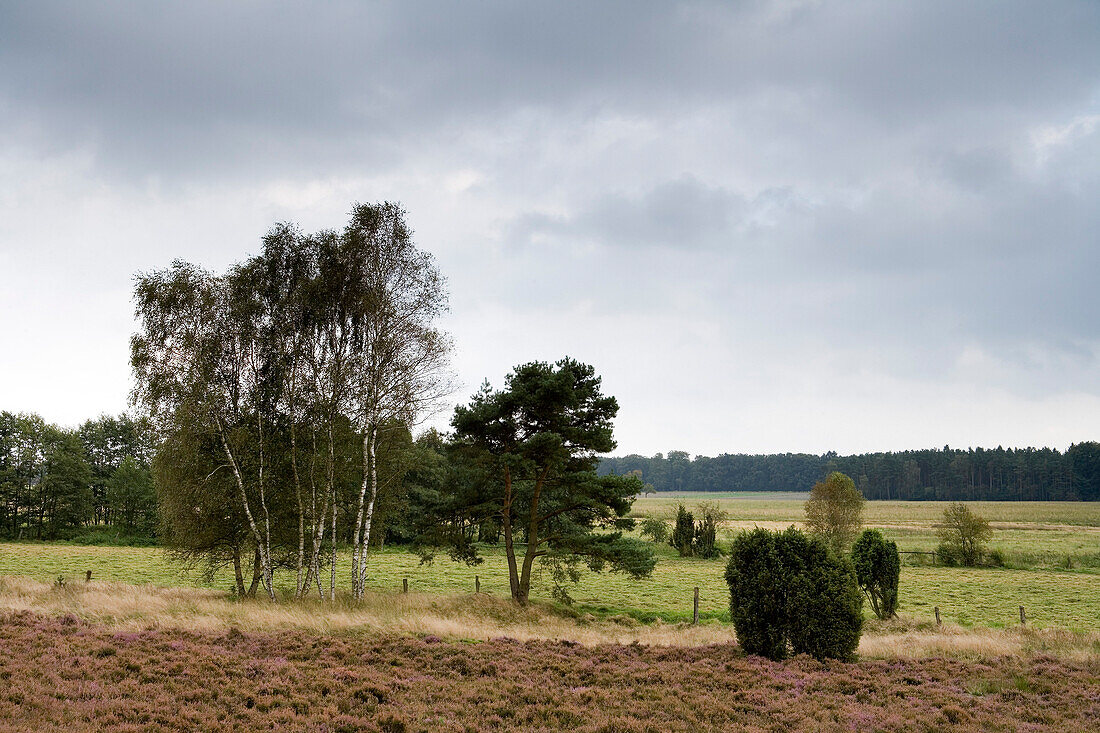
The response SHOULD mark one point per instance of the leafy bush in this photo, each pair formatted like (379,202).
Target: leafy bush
(946,555)
(964,533)
(878,567)
(655,529)
(705,543)
(683,532)
(997,558)
(790,593)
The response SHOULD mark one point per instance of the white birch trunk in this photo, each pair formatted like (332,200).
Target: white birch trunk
(265,559)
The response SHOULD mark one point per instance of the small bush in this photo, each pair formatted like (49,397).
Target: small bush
(946,555)
(996,558)
(878,567)
(655,529)
(790,593)
(705,544)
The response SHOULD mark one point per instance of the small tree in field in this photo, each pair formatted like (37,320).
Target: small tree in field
(705,544)
(834,511)
(655,529)
(683,532)
(963,534)
(530,451)
(878,567)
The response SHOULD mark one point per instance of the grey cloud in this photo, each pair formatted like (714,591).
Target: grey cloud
(861,185)
(190,88)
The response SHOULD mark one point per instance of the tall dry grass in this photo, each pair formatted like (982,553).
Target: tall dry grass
(482,616)
(469,616)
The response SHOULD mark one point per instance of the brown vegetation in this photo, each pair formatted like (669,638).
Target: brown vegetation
(125,607)
(61,673)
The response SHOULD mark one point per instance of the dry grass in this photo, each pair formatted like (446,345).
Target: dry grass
(469,616)
(915,638)
(123,606)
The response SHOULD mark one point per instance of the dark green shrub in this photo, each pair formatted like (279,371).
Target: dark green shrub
(878,567)
(997,558)
(683,532)
(946,555)
(790,593)
(757,581)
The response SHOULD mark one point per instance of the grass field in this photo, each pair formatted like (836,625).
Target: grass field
(1051,595)
(1036,537)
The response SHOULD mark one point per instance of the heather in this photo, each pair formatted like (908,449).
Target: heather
(61,673)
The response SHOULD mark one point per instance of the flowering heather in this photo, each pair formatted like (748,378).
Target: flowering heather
(62,673)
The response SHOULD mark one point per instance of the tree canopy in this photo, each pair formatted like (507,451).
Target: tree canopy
(273,371)
(528,455)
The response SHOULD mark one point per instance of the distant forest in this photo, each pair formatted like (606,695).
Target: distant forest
(1023,474)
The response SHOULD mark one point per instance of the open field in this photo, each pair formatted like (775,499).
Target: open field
(62,674)
(1030,534)
(1036,537)
(988,597)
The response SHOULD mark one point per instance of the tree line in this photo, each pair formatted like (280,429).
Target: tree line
(54,481)
(947,474)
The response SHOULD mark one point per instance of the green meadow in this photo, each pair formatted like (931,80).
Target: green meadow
(1052,552)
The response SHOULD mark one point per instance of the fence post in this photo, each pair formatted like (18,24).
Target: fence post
(88,579)
(937,610)
(695,614)
(405,585)
(1023,618)
(477,584)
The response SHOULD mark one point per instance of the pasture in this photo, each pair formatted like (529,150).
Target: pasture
(1052,551)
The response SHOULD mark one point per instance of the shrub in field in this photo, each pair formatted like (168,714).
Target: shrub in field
(683,532)
(963,534)
(757,580)
(705,543)
(834,511)
(790,593)
(878,567)
(655,529)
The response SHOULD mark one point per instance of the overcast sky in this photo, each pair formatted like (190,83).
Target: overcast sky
(771,227)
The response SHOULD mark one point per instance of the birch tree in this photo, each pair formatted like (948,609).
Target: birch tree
(196,355)
(400,356)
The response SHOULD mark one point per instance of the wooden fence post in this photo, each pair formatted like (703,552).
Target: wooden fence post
(937,610)
(88,579)
(695,614)
(405,585)
(1023,618)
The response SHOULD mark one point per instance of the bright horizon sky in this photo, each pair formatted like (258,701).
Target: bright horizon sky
(770,226)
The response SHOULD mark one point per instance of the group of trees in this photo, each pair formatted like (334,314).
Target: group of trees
(53,481)
(1027,474)
(283,391)
(691,537)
